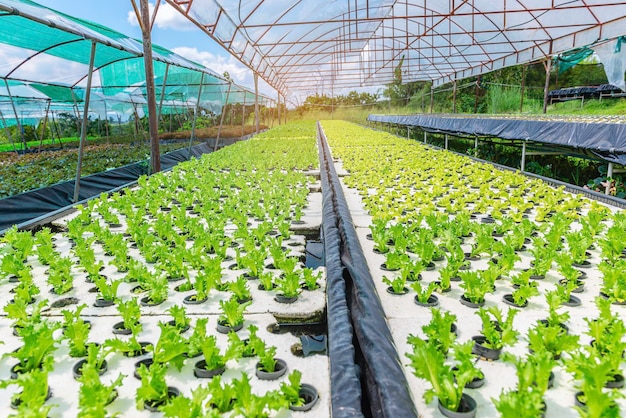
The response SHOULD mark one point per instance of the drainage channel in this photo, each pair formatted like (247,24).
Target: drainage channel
(365,366)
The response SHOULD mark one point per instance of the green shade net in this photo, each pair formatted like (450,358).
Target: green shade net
(567,60)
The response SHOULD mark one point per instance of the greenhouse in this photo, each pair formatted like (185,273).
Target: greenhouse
(243,265)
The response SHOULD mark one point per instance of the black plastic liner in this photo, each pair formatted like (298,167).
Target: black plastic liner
(590,92)
(386,389)
(606,141)
(344,373)
(24,207)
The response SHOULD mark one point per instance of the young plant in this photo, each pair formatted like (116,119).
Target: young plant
(613,244)
(310,279)
(524,292)
(45,248)
(171,348)
(614,280)
(395,260)
(180,318)
(240,289)
(153,389)
(107,290)
(397,284)
(446,274)
(289,285)
(194,343)
(249,404)
(526,400)
(291,390)
(429,363)
(232,312)
(439,330)
(213,357)
(30,402)
(26,290)
(551,338)
(130,312)
(475,286)
(60,275)
(465,360)
(497,330)
(93,395)
(157,286)
(38,345)
(267,280)
(424,293)
(184,407)
(76,330)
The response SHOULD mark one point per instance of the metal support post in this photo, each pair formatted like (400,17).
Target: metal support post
(195,116)
(445,141)
(256,103)
(424,137)
(45,123)
(163,86)
(17,118)
(83,128)
(219,129)
(609,177)
(408,132)
(523,162)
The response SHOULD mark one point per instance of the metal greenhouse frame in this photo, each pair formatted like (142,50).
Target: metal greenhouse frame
(296,45)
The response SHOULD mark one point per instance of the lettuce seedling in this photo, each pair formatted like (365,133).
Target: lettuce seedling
(497,330)
(130,312)
(76,330)
(291,390)
(171,348)
(179,315)
(184,407)
(310,279)
(439,329)
(429,363)
(289,285)
(107,290)
(240,289)
(30,402)
(38,345)
(153,387)
(614,280)
(249,404)
(423,293)
(93,395)
(221,396)
(551,338)
(524,292)
(232,311)
(60,275)
(213,356)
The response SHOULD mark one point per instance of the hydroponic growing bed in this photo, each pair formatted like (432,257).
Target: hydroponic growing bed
(198,292)
(488,279)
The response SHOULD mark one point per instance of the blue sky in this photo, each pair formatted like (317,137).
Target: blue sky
(171,30)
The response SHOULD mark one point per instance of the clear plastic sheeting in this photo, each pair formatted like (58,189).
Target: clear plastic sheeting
(613,58)
(306,45)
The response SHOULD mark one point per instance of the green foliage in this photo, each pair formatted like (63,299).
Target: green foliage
(428,362)
(439,329)
(153,386)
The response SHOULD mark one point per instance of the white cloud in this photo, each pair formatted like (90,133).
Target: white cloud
(167,18)
(218,63)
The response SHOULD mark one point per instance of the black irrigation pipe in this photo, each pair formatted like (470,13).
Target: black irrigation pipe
(385,391)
